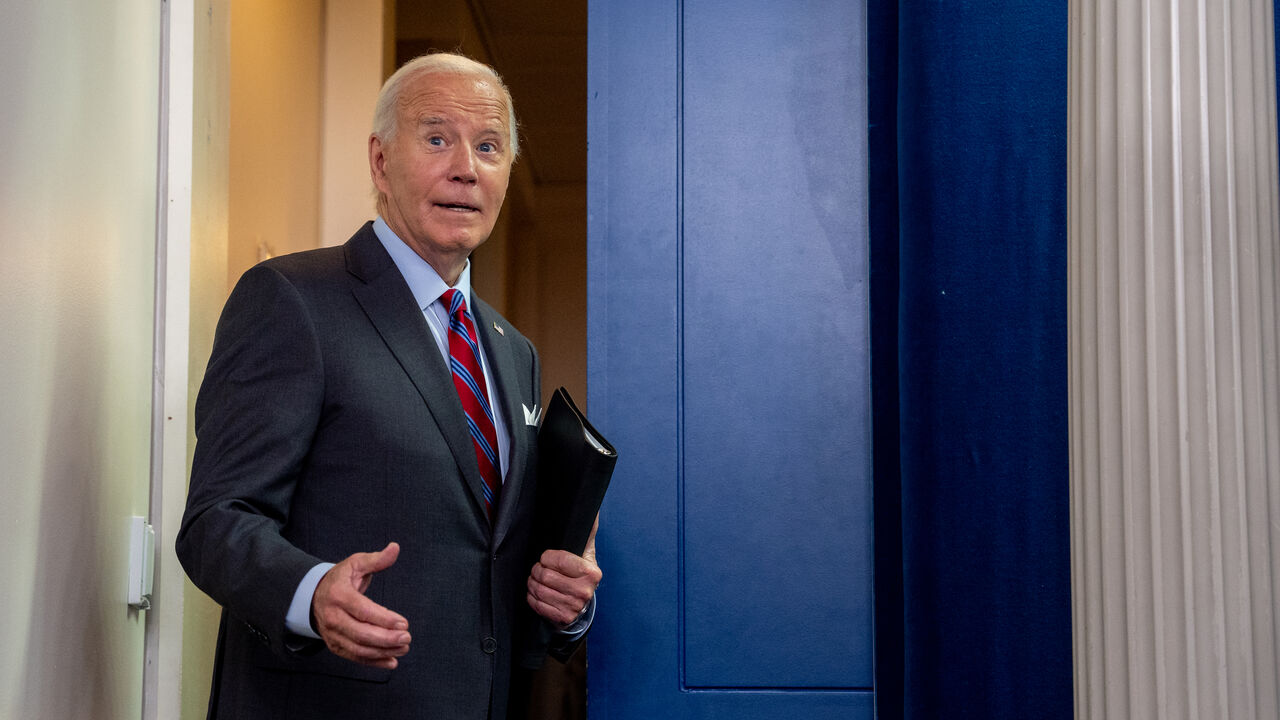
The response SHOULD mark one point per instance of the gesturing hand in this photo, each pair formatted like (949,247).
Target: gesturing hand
(561,583)
(352,625)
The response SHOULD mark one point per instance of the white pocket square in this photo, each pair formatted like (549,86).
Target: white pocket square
(532,417)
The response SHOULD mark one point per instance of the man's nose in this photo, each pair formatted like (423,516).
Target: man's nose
(463,168)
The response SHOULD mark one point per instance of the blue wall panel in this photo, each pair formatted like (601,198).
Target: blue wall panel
(728,359)
(776,413)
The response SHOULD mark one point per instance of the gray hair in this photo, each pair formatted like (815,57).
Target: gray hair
(384,112)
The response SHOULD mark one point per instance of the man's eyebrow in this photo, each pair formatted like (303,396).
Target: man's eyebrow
(497,128)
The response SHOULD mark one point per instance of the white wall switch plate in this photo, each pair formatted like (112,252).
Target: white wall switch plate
(142,560)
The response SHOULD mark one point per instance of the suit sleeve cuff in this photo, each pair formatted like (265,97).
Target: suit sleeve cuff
(298,619)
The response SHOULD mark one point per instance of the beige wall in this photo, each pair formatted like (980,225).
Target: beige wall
(78,127)
(353,73)
(277,56)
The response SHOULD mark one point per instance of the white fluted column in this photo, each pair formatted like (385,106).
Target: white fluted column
(1174,362)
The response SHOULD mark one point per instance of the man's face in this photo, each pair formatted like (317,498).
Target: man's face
(444,174)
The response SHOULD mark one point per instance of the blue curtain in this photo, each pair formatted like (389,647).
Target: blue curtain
(968,114)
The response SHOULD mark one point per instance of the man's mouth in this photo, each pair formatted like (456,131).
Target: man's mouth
(458,207)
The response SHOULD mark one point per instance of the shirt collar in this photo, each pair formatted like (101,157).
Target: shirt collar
(424,282)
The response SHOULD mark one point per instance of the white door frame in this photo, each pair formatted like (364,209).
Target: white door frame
(162,674)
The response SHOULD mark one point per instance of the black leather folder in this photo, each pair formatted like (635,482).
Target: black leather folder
(575,464)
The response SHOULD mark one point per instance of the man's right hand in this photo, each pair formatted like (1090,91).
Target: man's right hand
(352,625)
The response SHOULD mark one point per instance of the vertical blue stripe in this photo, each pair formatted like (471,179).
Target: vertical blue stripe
(462,373)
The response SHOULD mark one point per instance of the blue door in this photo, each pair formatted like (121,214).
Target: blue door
(728,358)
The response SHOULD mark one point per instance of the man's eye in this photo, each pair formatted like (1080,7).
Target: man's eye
(435,140)
(488,147)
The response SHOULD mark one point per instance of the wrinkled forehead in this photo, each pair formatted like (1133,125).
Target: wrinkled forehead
(455,97)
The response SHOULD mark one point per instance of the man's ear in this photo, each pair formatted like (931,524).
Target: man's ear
(377,162)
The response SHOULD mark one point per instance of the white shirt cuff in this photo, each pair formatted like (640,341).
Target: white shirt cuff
(298,619)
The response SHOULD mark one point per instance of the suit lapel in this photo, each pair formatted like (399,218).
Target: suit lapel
(390,306)
(509,390)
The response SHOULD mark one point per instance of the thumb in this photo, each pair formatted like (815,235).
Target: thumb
(365,564)
(384,558)
(589,552)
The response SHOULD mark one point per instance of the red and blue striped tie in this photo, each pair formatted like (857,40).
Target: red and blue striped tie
(468,380)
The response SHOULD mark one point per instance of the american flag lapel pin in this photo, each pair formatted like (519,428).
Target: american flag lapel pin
(499,329)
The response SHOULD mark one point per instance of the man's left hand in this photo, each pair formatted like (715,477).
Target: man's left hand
(561,583)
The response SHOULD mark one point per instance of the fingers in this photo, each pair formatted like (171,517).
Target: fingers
(352,625)
(561,584)
(362,642)
(557,607)
(341,602)
(340,624)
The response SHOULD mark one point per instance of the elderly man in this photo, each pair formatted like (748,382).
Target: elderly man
(363,487)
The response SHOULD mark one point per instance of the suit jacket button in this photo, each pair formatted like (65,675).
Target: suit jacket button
(489,645)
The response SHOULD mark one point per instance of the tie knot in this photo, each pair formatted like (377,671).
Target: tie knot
(454,300)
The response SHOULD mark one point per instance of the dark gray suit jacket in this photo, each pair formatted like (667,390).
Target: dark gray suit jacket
(328,424)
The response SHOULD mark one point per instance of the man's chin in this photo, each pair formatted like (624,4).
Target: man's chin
(459,244)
